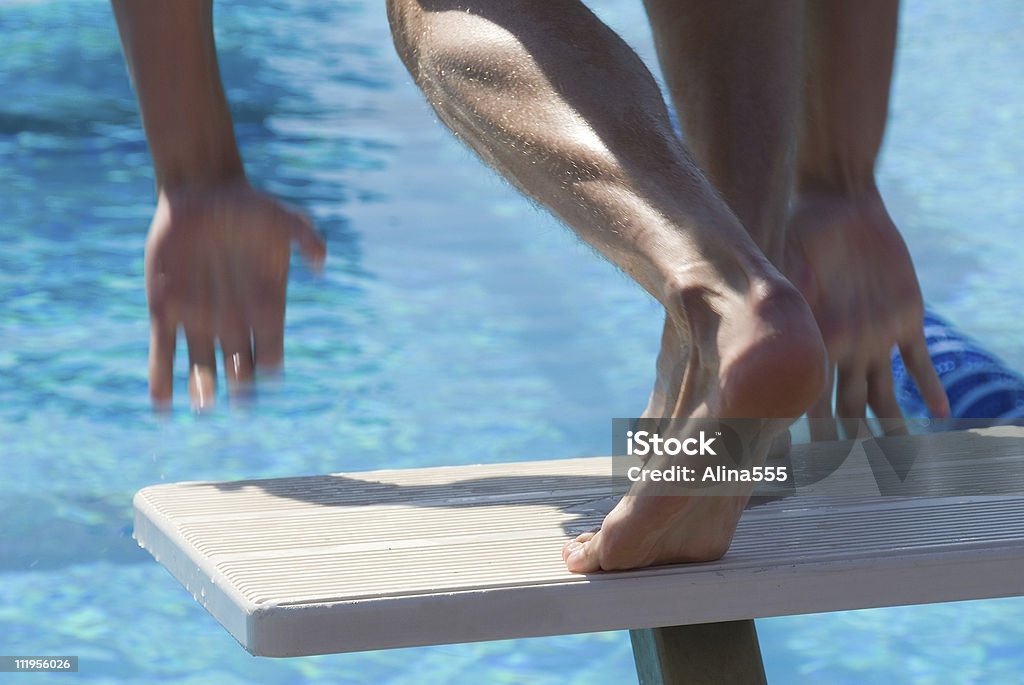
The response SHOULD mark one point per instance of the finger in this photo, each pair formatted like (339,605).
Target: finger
(781,445)
(162,337)
(236,348)
(851,399)
(311,246)
(822,422)
(163,330)
(267,319)
(882,400)
(919,365)
(202,365)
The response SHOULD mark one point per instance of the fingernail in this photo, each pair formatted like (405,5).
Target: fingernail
(317,264)
(240,369)
(241,394)
(201,389)
(269,372)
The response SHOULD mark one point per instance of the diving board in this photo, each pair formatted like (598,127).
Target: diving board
(396,558)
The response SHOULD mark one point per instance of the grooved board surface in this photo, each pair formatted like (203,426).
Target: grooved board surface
(382,559)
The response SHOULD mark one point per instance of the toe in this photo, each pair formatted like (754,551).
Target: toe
(581,555)
(573,544)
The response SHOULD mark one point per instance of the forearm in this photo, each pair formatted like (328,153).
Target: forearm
(171,56)
(850,61)
(565,110)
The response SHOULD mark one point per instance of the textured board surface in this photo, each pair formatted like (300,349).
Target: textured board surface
(374,560)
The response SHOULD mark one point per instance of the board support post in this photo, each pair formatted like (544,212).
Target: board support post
(702,654)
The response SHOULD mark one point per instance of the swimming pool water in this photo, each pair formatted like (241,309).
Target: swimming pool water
(455,323)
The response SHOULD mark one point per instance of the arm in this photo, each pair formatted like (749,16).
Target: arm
(218,251)
(850,53)
(171,56)
(843,249)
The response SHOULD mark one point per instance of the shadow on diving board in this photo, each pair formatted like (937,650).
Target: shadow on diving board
(383,559)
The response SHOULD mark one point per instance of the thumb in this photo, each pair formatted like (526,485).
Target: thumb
(311,245)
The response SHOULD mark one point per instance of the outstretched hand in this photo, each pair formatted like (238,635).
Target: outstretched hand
(217,261)
(848,259)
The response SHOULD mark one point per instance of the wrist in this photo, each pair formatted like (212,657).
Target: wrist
(197,147)
(855,189)
(204,192)
(844,178)
(200,169)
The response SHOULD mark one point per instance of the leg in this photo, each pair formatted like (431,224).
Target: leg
(843,250)
(734,71)
(527,86)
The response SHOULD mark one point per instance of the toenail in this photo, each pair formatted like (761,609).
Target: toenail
(574,545)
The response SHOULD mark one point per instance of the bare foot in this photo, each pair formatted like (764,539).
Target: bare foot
(754,355)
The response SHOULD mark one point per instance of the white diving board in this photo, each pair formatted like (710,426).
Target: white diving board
(397,558)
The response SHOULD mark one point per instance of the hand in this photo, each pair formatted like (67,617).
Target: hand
(848,259)
(217,262)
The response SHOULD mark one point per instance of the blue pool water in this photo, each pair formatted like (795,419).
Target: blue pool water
(455,323)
